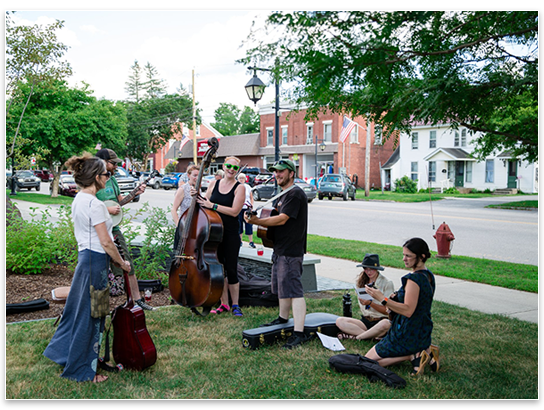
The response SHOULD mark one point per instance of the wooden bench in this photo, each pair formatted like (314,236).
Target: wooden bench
(309,277)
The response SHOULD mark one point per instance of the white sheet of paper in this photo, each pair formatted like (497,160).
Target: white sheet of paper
(331,343)
(361,294)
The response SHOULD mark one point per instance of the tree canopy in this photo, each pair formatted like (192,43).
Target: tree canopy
(476,69)
(230,120)
(68,121)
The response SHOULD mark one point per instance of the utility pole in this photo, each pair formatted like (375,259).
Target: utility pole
(367,158)
(194,121)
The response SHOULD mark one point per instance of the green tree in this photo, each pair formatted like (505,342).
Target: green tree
(477,69)
(33,56)
(230,120)
(154,117)
(67,121)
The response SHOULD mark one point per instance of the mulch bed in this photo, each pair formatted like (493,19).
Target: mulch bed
(23,288)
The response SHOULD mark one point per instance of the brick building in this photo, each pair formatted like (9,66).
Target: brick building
(297,142)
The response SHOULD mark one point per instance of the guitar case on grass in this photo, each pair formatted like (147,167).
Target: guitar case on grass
(324,323)
(24,307)
(357,364)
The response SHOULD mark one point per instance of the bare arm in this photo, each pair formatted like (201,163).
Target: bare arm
(238,203)
(180,194)
(276,220)
(410,299)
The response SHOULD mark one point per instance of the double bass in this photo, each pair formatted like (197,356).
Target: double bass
(132,344)
(196,275)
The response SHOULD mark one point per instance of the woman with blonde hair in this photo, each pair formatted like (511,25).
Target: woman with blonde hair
(183,199)
(226,196)
(76,343)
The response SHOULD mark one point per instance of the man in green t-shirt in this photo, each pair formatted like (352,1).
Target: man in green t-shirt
(112,192)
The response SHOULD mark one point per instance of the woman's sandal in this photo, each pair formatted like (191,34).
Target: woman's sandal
(345,336)
(419,362)
(221,309)
(434,363)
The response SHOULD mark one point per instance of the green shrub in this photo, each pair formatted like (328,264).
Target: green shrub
(406,185)
(451,190)
(425,191)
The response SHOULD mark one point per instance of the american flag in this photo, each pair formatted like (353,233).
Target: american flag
(184,140)
(347,126)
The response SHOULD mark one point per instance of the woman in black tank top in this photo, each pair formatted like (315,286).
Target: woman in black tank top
(227,196)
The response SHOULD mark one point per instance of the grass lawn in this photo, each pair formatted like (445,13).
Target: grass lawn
(417,197)
(516,205)
(482,357)
(41,198)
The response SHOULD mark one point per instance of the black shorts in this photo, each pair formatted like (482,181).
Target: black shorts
(370,323)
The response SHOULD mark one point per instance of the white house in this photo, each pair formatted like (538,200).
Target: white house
(439,157)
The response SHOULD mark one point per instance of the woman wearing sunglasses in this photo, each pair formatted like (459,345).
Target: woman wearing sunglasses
(226,196)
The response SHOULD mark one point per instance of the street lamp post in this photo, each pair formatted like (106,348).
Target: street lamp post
(322,148)
(255,90)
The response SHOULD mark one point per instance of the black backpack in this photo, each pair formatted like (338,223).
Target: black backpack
(255,290)
(355,363)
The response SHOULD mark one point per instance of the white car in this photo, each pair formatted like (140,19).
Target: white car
(205,183)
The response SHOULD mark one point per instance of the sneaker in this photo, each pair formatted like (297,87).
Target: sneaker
(295,340)
(277,321)
(236,311)
(252,245)
(143,305)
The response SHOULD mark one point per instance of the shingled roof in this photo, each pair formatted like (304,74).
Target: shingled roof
(238,145)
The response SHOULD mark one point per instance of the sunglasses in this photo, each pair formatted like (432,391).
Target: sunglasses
(106,174)
(231,166)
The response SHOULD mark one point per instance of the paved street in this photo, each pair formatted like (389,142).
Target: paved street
(507,235)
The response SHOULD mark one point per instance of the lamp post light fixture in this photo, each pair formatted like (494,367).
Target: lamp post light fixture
(322,147)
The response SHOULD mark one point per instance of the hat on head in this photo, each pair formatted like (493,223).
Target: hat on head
(281,165)
(371,261)
(108,155)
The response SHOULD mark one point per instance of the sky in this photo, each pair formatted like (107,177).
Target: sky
(103,45)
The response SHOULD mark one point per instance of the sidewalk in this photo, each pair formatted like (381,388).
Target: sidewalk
(335,273)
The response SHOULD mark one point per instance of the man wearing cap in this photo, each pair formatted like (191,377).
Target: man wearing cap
(290,229)
(374,320)
(112,192)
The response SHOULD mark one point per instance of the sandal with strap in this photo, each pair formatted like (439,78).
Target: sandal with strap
(434,363)
(221,309)
(345,336)
(236,311)
(419,362)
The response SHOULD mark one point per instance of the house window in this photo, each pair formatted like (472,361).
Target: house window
(270,136)
(456,140)
(309,133)
(414,171)
(468,174)
(284,135)
(464,137)
(354,135)
(489,170)
(327,131)
(415,142)
(432,140)
(378,133)
(432,171)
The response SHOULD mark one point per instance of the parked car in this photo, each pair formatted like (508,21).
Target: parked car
(171,180)
(26,179)
(67,186)
(8,179)
(44,175)
(154,182)
(336,185)
(251,173)
(205,183)
(126,182)
(266,190)
(262,178)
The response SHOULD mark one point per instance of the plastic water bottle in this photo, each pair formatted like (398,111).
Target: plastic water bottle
(346,304)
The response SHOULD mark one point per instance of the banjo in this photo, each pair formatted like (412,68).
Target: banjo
(117,218)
